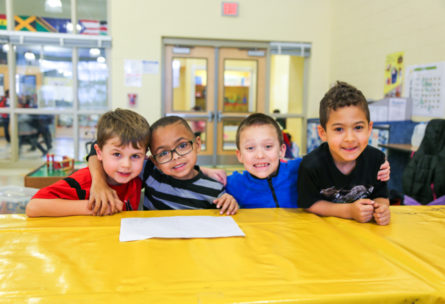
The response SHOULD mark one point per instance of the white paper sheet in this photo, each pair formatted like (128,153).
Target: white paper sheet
(150,67)
(133,73)
(133,229)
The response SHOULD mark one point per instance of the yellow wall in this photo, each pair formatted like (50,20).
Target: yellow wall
(364,32)
(286,91)
(279,83)
(296,70)
(138,26)
(350,38)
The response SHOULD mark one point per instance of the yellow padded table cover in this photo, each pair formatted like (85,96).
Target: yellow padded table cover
(287,256)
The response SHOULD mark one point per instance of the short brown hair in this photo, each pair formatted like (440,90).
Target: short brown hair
(258,119)
(339,96)
(128,126)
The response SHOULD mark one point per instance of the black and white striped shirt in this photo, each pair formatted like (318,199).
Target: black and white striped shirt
(163,192)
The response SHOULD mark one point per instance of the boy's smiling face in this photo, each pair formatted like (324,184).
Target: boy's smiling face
(120,163)
(347,133)
(260,150)
(175,136)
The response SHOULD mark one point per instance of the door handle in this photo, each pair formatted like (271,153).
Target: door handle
(218,116)
(211,116)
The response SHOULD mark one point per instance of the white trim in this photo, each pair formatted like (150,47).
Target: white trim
(19,37)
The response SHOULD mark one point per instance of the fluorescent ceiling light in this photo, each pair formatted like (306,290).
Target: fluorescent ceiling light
(53,6)
(94,52)
(30,56)
(69,27)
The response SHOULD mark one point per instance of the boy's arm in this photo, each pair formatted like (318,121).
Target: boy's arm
(102,197)
(382,201)
(360,210)
(227,204)
(219,175)
(57,207)
(384,172)
(382,213)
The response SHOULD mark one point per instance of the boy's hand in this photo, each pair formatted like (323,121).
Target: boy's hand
(362,210)
(226,202)
(103,200)
(384,173)
(382,214)
(217,174)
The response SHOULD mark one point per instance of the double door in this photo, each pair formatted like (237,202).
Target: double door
(214,88)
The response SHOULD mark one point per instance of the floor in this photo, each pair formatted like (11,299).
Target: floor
(60,147)
(13,195)
(13,177)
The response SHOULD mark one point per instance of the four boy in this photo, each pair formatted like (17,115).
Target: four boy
(337,179)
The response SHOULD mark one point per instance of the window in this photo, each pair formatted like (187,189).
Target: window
(61,81)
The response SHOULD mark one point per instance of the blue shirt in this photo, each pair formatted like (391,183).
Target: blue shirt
(279,190)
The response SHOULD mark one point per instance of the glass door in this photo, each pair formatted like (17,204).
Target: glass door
(214,89)
(241,91)
(189,90)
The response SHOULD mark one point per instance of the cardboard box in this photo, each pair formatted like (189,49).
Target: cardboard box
(390,109)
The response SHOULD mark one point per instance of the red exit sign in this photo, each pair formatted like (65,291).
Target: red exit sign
(230,9)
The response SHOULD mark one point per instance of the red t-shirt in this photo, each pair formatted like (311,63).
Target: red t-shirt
(77,187)
(3,105)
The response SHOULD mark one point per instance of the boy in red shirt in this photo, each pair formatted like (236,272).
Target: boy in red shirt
(122,142)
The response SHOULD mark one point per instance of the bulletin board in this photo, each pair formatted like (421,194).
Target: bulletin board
(425,85)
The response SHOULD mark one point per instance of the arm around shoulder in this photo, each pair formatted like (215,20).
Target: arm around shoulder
(219,175)
(102,197)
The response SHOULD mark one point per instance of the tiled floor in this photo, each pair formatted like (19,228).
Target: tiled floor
(13,177)
(61,146)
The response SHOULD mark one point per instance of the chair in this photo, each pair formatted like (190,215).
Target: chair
(424,177)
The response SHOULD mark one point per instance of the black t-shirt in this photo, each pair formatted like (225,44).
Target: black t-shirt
(319,178)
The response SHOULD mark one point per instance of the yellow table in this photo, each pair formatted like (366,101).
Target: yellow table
(287,256)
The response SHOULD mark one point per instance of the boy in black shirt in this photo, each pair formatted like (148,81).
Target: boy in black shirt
(339,177)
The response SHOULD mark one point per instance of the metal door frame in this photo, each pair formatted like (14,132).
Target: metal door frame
(217,44)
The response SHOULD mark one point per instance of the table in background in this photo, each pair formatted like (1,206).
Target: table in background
(42,176)
(287,256)
(400,147)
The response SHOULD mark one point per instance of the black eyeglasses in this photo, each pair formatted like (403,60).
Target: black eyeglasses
(182,149)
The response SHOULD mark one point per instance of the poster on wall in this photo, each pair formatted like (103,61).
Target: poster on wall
(425,85)
(133,73)
(393,75)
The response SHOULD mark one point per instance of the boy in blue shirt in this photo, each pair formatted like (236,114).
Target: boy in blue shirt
(267,182)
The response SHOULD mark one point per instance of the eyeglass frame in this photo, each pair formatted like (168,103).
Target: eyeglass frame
(174,150)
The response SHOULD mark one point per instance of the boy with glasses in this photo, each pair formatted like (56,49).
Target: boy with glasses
(172,180)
